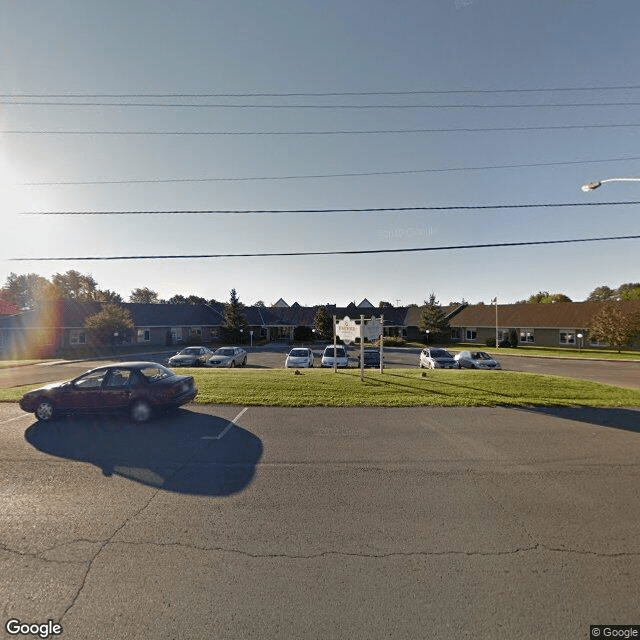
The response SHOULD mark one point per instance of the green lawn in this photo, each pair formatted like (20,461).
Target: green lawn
(394,388)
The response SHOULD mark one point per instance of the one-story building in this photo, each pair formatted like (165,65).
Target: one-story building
(548,325)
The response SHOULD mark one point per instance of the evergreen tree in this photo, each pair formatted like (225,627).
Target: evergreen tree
(433,319)
(234,318)
(323,323)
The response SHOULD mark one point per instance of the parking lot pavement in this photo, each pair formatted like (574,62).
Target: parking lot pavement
(323,523)
(620,373)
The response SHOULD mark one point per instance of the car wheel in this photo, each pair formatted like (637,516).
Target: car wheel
(140,411)
(244,362)
(232,364)
(45,411)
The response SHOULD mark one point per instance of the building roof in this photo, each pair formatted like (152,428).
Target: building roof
(7,308)
(560,315)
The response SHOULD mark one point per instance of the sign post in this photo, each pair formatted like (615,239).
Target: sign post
(361,348)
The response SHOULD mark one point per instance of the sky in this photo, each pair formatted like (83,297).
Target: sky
(404,104)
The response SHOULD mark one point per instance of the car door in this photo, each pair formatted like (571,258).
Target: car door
(116,390)
(84,394)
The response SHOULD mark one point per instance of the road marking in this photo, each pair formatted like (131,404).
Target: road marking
(24,415)
(226,429)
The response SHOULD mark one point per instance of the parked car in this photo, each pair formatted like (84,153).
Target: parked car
(371,357)
(299,357)
(190,357)
(228,357)
(136,387)
(431,358)
(341,356)
(476,360)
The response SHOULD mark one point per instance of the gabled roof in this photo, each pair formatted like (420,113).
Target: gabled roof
(561,315)
(281,303)
(365,303)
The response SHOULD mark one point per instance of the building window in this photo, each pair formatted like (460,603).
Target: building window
(77,337)
(144,335)
(455,333)
(526,335)
(471,334)
(567,336)
(503,334)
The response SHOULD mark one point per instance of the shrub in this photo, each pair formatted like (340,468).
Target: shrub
(490,342)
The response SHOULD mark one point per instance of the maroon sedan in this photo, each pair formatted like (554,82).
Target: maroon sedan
(136,387)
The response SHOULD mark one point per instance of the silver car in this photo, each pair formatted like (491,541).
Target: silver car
(299,357)
(437,359)
(228,357)
(190,357)
(476,360)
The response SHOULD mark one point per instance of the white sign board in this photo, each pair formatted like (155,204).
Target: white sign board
(347,330)
(373,329)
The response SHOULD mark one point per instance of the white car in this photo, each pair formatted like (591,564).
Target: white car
(437,359)
(341,356)
(299,357)
(476,360)
(228,357)
(190,357)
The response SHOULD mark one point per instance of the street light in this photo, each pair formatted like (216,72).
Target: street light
(427,332)
(590,186)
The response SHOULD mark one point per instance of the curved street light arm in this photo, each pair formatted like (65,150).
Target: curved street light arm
(590,186)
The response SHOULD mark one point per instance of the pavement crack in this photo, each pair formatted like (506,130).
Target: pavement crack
(322,554)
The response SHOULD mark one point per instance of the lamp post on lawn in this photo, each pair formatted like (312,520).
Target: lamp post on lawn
(590,186)
(241,336)
(579,336)
(427,332)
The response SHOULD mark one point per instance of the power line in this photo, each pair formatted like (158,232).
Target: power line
(331,253)
(318,106)
(314,93)
(319,133)
(348,210)
(325,175)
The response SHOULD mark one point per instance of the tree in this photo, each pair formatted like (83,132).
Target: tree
(74,285)
(179,299)
(260,304)
(615,326)
(433,319)
(144,295)
(544,297)
(28,291)
(629,291)
(383,304)
(600,294)
(234,318)
(323,323)
(111,325)
(110,297)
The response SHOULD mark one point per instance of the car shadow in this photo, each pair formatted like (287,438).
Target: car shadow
(626,419)
(181,451)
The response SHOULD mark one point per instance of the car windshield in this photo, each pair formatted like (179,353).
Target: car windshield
(191,351)
(440,353)
(480,355)
(299,353)
(339,352)
(225,352)
(156,372)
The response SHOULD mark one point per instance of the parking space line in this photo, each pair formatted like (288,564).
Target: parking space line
(226,429)
(22,415)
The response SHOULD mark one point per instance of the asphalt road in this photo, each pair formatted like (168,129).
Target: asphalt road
(620,373)
(216,522)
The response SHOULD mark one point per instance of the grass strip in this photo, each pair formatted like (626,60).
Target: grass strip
(394,388)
